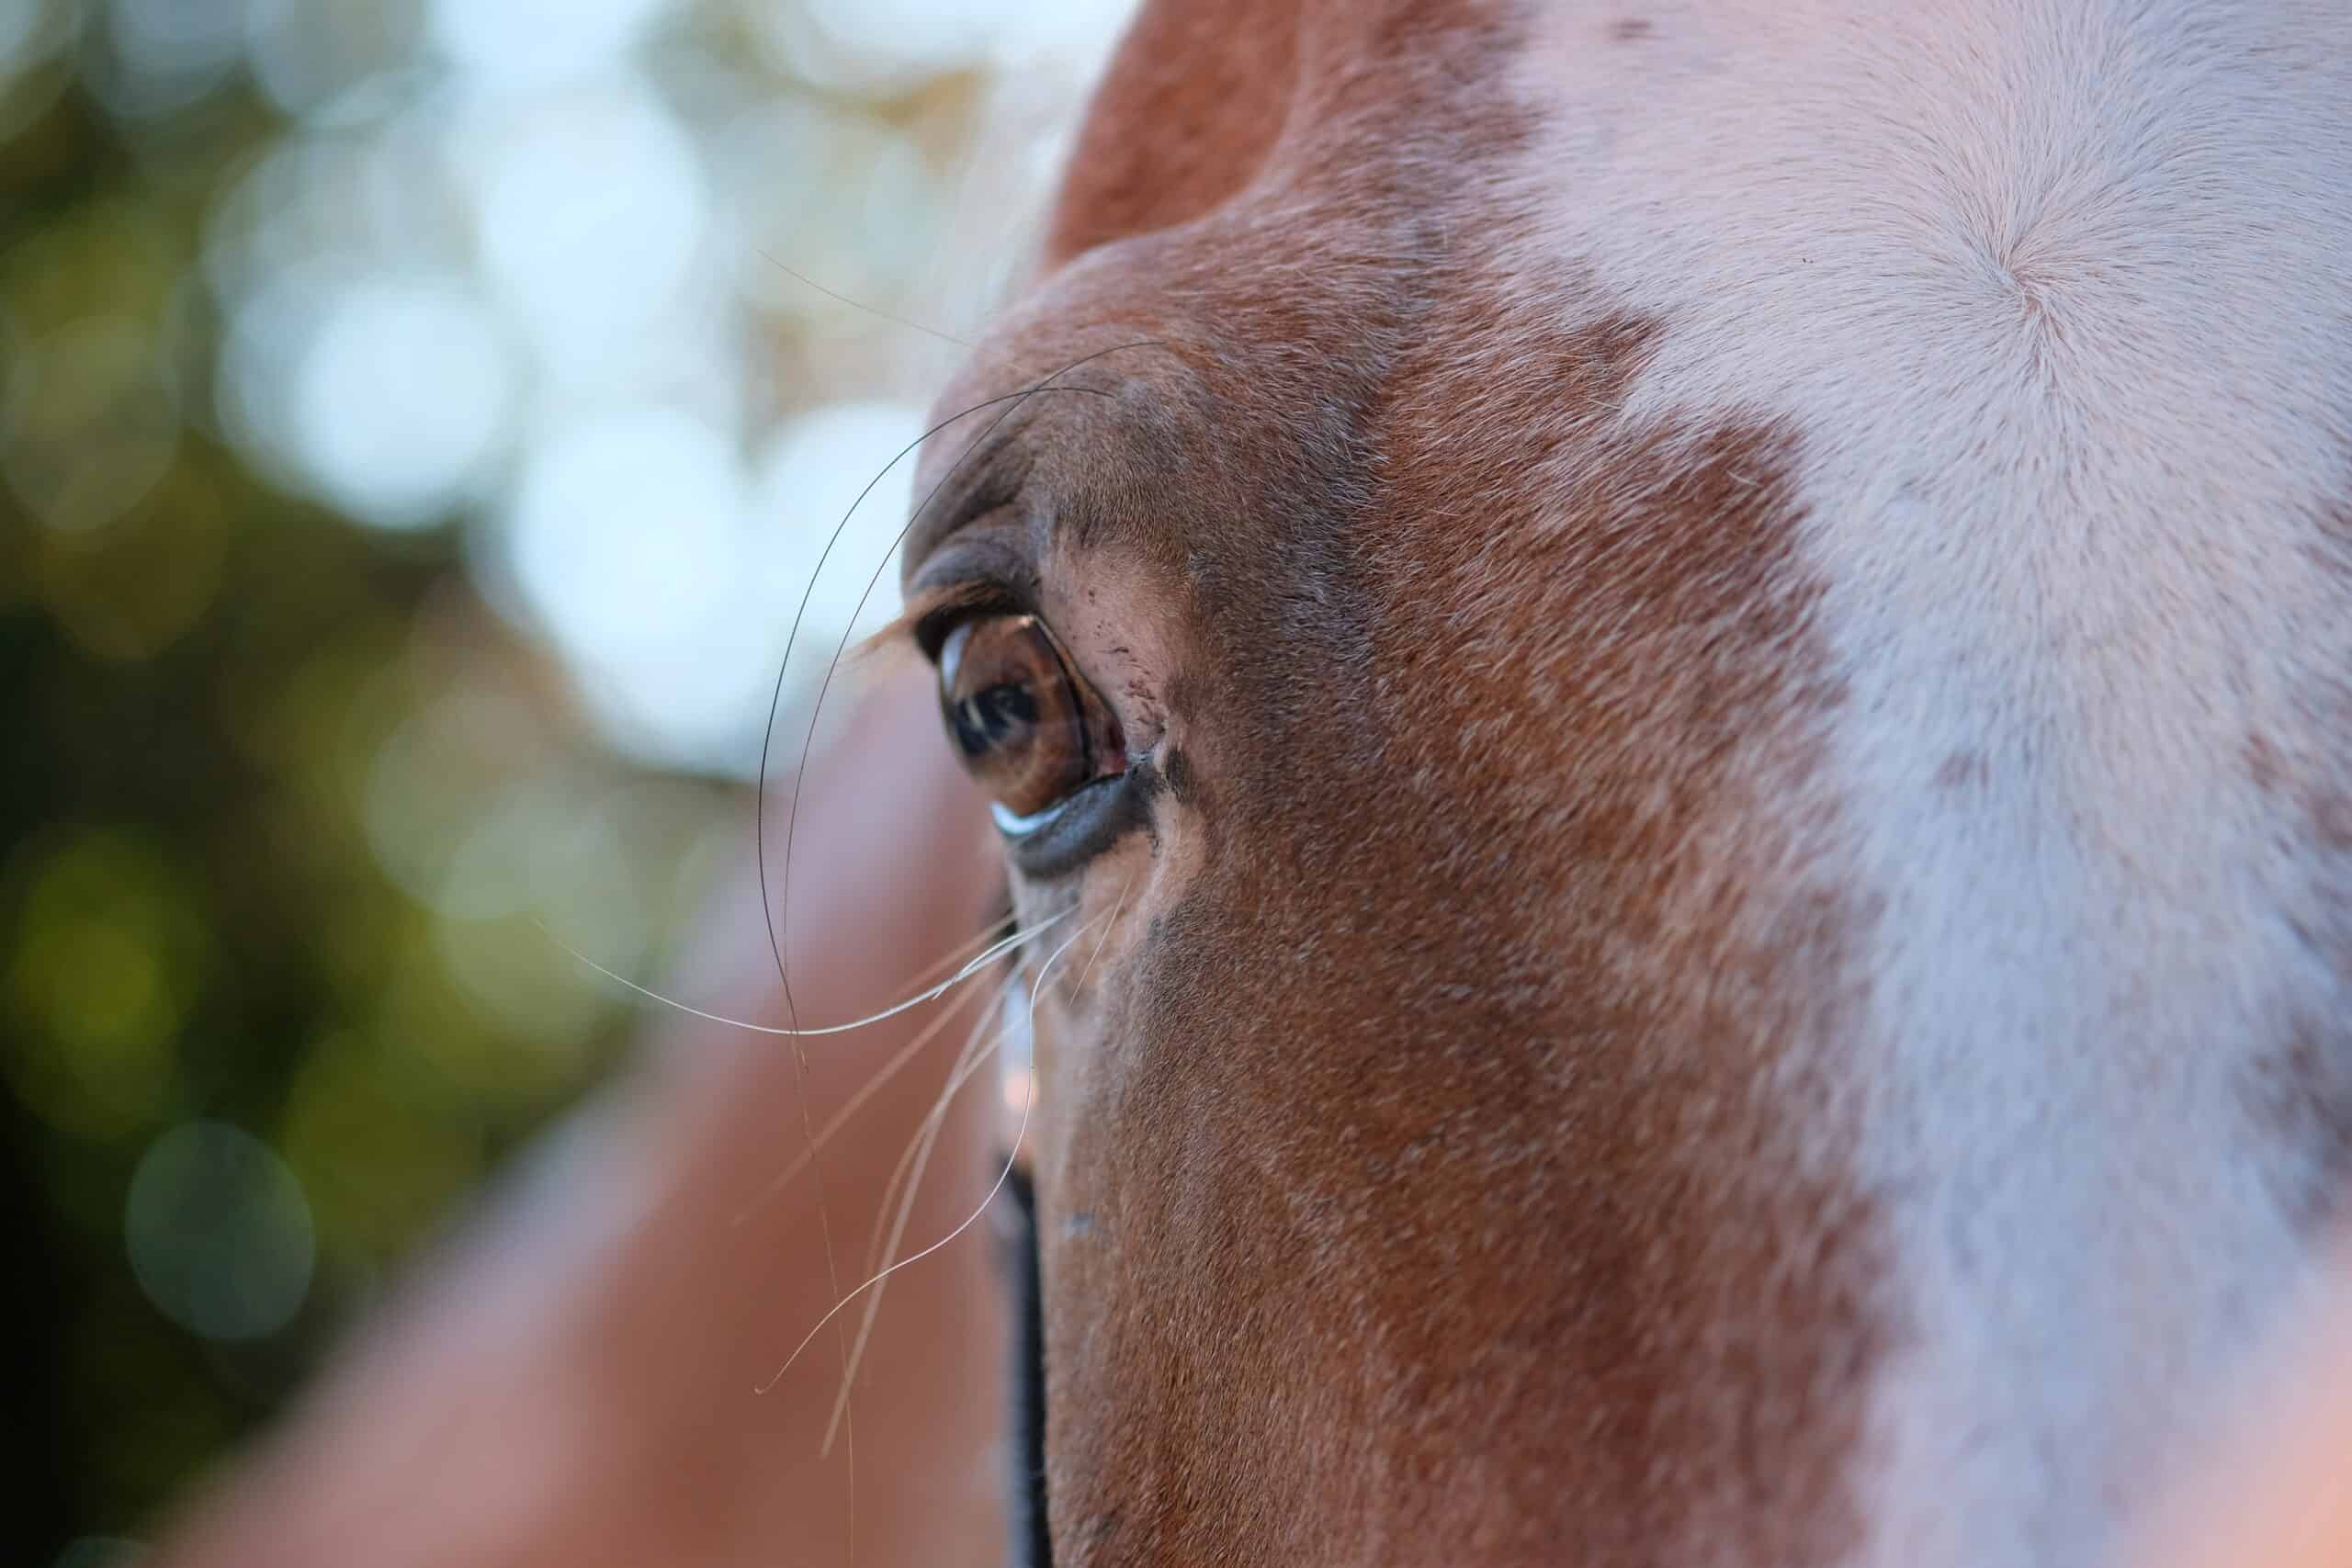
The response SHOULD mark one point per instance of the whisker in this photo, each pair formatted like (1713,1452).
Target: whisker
(971,1220)
(964,949)
(861,305)
(919,1149)
(974,967)
(968,1060)
(873,1086)
(930,1136)
(768,913)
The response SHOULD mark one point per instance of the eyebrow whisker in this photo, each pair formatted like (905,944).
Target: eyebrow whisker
(794,273)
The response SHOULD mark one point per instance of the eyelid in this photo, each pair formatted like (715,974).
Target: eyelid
(985,567)
(1013,826)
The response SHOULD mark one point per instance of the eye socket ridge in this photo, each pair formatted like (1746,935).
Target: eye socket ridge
(1028,726)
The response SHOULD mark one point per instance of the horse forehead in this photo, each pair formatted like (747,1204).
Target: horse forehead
(1340,206)
(1251,213)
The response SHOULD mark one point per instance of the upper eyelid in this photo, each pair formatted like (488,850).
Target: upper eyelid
(985,567)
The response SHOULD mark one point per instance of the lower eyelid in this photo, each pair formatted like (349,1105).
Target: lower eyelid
(1017,827)
(1059,840)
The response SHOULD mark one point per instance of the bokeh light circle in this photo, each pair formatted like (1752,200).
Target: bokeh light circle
(530,43)
(218,1232)
(401,398)
(161,55)
(592,211)
(98,1550)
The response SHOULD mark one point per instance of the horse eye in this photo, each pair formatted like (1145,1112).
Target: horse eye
(1029,729)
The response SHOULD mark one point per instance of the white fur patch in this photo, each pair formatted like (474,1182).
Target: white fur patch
(2057,295)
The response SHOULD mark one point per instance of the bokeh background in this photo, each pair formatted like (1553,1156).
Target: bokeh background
(419,419)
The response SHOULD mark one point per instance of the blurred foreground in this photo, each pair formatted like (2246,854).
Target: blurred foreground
(413,449)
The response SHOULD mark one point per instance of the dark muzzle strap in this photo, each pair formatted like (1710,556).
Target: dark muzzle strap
(1025,1507)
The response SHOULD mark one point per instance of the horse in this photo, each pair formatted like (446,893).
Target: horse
(1674,675)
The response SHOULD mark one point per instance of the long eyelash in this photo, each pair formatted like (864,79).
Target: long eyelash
(927,606)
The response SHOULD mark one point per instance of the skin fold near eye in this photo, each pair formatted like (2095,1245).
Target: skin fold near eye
(1026,726)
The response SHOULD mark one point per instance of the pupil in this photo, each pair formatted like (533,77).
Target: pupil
(985,719)
(1006,706)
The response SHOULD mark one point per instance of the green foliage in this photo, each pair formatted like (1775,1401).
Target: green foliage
(204,678)
(299,778)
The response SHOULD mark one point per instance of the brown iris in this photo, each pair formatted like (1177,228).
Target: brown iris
(1029,729)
